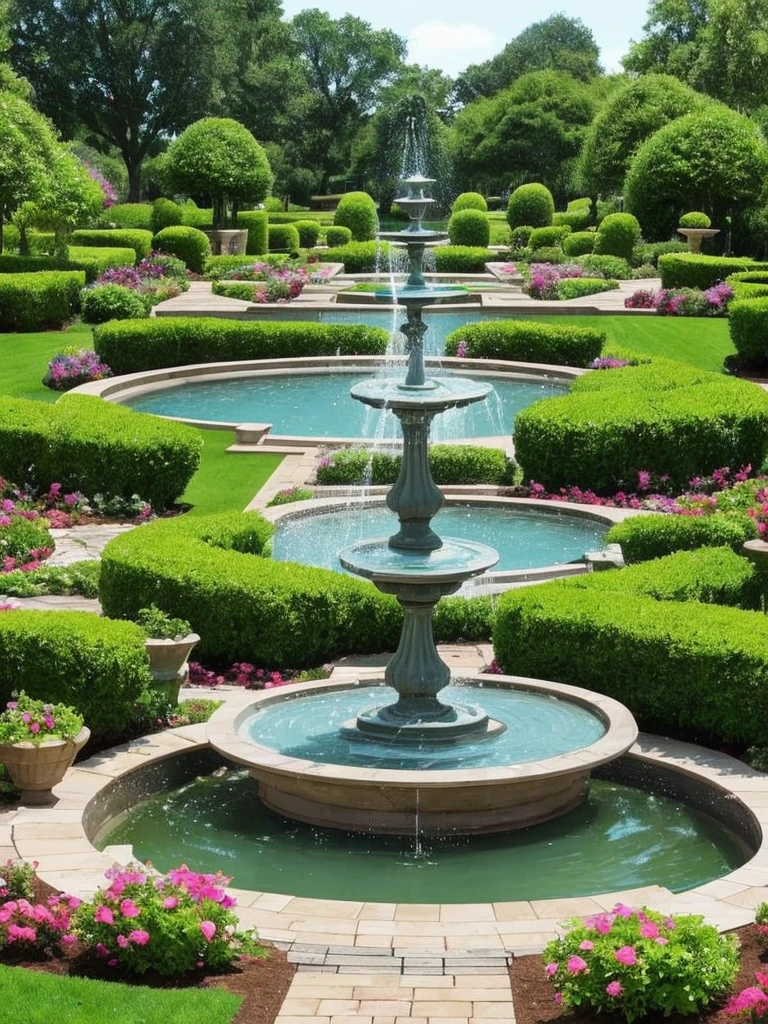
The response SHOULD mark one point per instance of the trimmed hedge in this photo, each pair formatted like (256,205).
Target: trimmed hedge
(93,446)
(309,232)
(681,667)
(469,201)
(689,270)
(189,244)
(165,214)
(462,259)
(360,257)
(215,266)
(646,537)
(335,235)
(605,266)
(527,341)
(130,215)
(695,219)
(112,302)
(469,227)
(257,222)
(115,238)
(543,238)
(617,235)
(748,326)
(575,287)
(577,220)
(662,416)
(357,211)
(449,463)
(39,301)
(212,571)
(531,204)
(102,258)
(132,345)
(97,665)
(283,238)
(748,285)
(11,264)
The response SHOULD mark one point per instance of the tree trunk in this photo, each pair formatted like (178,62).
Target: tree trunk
(133,162)
(2,227)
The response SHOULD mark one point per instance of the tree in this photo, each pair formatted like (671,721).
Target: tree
(558,44)
(673,39)
(219,157)
(713,160)
(632,114)
(67,196)
(127,71)
(733,61)
(27,152)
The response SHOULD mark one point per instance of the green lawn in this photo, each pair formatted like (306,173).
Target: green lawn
(25,357)
(36,998)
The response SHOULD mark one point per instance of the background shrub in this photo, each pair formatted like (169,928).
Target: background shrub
(650,252)
(748,324)
(520,236)
(576,220)
(158,342)
(12,264)
(360,257)
(646,537)
(531,204)
(309,232)
(548,254)
(469,201)
(528,341)
(462,259)
(337,235)
(605,266)
(112,302)
(165,214)
(450,464)
(283,238)
(617,235)
(131,215)
(579,243)
(576,287)
(257,223)
(125,238)
(543,238)
(101,259)
(39,301)
(217,266)
(695,220)
(93,446)
(197,217)
(469,227)
(92,663)
(690,270)
(357,211)
(189,244)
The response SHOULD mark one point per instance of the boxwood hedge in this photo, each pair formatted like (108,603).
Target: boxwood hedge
(662,416)
(462,259)
(256,222)
(681,666)
(748,326)
(97,665)
(37,301)
(11,264)
(103,258)
(646,537)
(95,447)
(450,464)
(690,270)
(116,238)
(359,257)
(748,285)
(131,345)
(528,341)
(213,571)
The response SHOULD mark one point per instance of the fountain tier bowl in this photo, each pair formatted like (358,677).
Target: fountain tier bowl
(448,792)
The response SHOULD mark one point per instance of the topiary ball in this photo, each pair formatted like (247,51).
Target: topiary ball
(469,201)
(165,214)
(309,232)
(283,238)
(469,227)
(189,244)
(617,235)
(337,236)
(357,211)
(579,243)
(531,204)
(695,220)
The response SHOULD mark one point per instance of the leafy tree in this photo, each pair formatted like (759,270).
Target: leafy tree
(713,160)
(558,43)
(27,151)
(126,71)
(673,38)
(632,113)
(733,61)
(67,196)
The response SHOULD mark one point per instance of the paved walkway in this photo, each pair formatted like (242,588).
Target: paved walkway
(83,543)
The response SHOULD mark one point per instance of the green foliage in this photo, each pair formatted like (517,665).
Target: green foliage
(450,464)
(189,244)
(690,270)
(94,664)
(357,211)
(256,221)
(695,220)
(20,536)
(112,302)
(576,220)
(531,204)
(748,325)
(36,301)
(580,243)
(614,423)
(283,238)
(217,267)
(131,215)
(157,342)
(195,217)
(80,578)
(158,625)
(100,258)
(548,254)
(96,447)
(617,235)
(67,197)
(469,201)
(116,238)
(645,537)
(528,341)
(542,238)
(461,259)
(359,257)
(520,236)
(575,287)
(35,721)
(337,236)
(748,285)
(651,252)
(309,232)
(605,266)
(165,214)
(469,227)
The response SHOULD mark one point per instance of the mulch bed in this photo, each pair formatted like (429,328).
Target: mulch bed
(262,984)
(534,995)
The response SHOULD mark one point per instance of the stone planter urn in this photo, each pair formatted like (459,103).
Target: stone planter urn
(37,767)
(695,236)
(168,664)
(228,241)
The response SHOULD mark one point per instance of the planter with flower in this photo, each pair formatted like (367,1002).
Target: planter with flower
(169,643)
(38,742)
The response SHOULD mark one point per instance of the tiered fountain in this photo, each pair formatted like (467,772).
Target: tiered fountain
(338,757)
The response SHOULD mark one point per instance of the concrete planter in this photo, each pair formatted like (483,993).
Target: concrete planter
(37,767)
(228,241)
(168,664)
(695,236)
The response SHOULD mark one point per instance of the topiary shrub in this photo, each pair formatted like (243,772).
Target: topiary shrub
(548,254)
(543,238)
(449,463)
(748,325)
(691,270)
(749,285)
(461,259)
(527,341)
(115,238)
(309,232)
(93,446)
(360,257)
(695,220)
(337,235)
(195,217)
(469,201)
(131,215)
(166,214)
(256,222)
(357,211)
(157,342)
(96,665)
(112,302)
(283,238)
(576,220)
(189,244)
(646,537)
(469,227)
(12,264)
(580,243)
(531,204)
(617,235)
(605,266)
(520,236)
(39,301)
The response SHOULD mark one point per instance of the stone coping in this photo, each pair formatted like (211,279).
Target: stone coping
(56,837)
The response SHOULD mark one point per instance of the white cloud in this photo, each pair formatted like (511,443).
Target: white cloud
(450,45)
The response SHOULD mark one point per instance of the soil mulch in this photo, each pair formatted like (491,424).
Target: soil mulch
(534,995)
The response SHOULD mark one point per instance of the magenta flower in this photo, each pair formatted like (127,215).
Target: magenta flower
(104,915)
(551,969)
(121,941)
(613,989)
(139,936)
(586,945)
(208,928)
(170,903)
(129,909)
(649,931)
(626,955)
(576,964)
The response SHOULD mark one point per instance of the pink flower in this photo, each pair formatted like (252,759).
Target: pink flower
(551,969)
(129,909)
(669,922)
(586,945)
(122,941)
(139,936)
(104,915)
(661,941)
(208,928)
(649,931)
(67,940)
(621,909)
(170,903)
(101,950)
(576,964)
(603,924)
(626,955)
(558,997)
(613,988)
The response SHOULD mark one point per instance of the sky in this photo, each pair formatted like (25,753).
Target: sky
(450,34)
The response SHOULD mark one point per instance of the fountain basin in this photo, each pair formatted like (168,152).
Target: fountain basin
(463,799)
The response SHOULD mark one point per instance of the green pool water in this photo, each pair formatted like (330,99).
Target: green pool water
(620,838)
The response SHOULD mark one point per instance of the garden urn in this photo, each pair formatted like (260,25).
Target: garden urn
(168,663)
(37,767)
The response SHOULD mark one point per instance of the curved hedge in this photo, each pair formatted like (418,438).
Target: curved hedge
(360,257)
(449,464)
(89,445)
(690,270)
(335,235)
(256,222)
(528,342)
(188,244)
(543,238)
(131,345)
(617,235)
(681,666)
(748,326)
(662,416)
(213,571)
(165,214)
(469,201)
(115,238)
(749,285)
(309,232)
(37,301)
(130,215)
(645,537)
(97,665)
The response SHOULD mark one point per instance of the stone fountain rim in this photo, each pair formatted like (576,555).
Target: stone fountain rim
(621,733)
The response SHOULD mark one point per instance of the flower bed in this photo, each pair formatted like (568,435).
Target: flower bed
(683,301)
(74,366)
